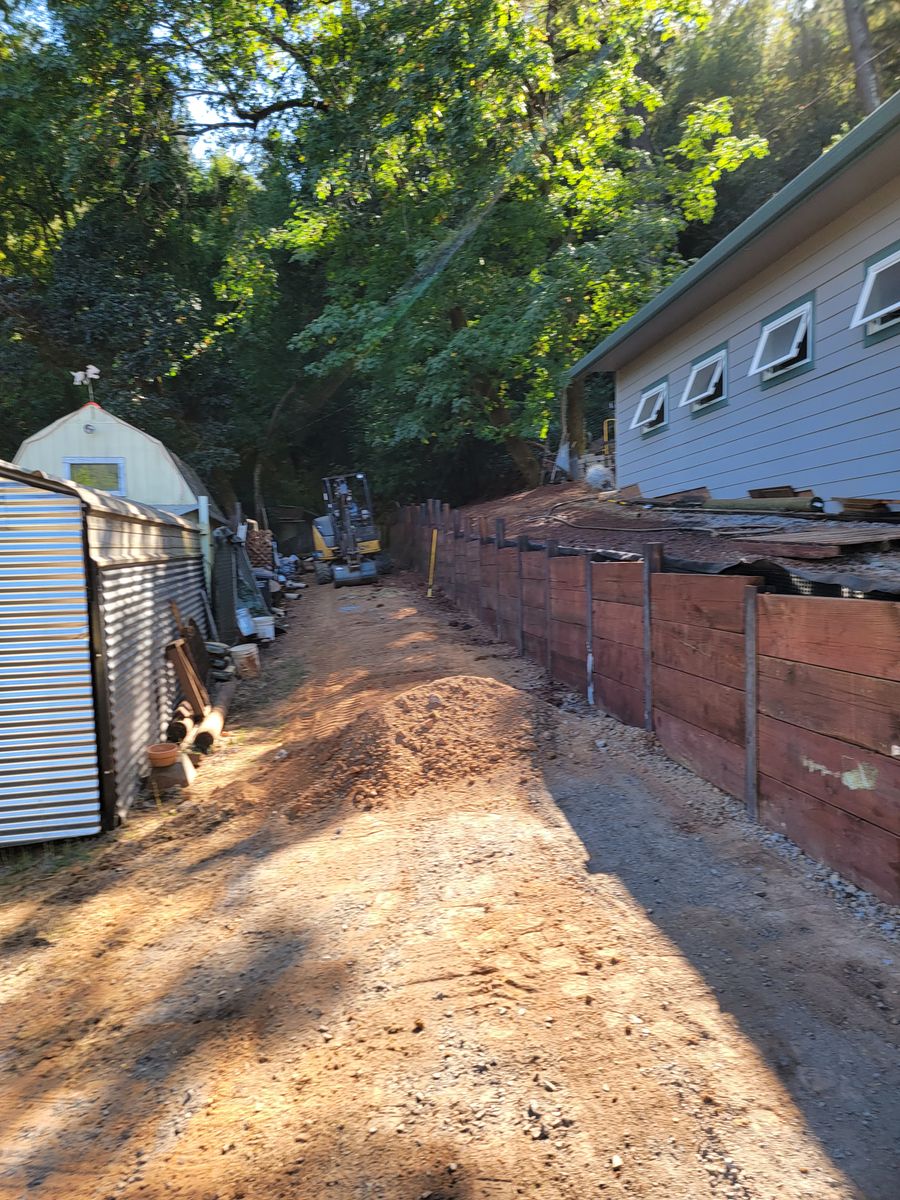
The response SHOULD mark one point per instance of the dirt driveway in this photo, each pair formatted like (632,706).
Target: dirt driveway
(415,934)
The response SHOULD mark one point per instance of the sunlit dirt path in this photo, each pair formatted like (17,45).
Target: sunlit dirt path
(414,934)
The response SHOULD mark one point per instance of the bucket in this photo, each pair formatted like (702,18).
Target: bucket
(246,659)
(265,628)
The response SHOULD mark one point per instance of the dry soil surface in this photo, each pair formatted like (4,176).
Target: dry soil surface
(415,934)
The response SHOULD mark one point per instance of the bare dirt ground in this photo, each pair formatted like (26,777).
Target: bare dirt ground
(416,935)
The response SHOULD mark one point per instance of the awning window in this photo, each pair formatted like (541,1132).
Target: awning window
(879,300)
(651,409)
(706,382)
(784,342)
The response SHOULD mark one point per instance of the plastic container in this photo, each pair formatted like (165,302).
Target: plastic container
(265,628)
(163,754)
(245,622)
(246,660)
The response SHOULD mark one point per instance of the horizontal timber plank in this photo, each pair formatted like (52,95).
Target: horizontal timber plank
(534,592)
(626,703)
(535,648)
(567,570)
(841,704)
(570,671)
(707,705)
(568,639)
(534,620)
(508,608)
(715,654)
(619,661)
(711,601)
(508,629)
(568,603)
(534,563)
(712,758)
(866,854)
(618,622)
(848,777)
(621,582)
(825,632)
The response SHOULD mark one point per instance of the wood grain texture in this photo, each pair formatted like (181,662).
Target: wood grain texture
(618,622)
(567,570)
(715,654)
(862,634)
(620,582)
(711,601)
(533,564)
(619,661)
(865,853)
(712,758)
(568,639)
(570,671)
(534,621)
(845,776)
(853,708)
(567,601)
(709,706)
(620,700)
(535,647)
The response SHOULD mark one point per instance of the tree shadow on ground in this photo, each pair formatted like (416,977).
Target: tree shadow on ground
(771,962)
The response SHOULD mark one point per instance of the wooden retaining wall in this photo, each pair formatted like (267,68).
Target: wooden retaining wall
(789,703)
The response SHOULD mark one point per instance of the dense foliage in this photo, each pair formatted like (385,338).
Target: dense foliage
(305,235)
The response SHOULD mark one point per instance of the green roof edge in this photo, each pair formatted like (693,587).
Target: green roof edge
(857,142)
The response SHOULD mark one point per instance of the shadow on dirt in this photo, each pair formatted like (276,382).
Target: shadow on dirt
(817,1013)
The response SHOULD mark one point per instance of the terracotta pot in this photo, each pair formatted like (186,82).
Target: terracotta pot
(163,754)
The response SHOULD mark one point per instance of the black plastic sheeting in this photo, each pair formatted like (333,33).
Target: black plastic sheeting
(795,580)
(779,578)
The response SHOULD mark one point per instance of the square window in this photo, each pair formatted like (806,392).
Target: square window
(651,409)
(706,382)
(879,301)
(102,474)
(784,342)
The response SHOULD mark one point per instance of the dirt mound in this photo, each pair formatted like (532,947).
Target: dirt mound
(453,729)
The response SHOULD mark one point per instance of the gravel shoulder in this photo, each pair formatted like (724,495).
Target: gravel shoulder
(416,934)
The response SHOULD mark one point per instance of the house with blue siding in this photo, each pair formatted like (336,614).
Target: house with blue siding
(775,359)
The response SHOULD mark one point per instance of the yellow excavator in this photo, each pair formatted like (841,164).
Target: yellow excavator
(347,549)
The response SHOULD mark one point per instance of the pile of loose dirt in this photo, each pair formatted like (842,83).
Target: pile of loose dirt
(451,730)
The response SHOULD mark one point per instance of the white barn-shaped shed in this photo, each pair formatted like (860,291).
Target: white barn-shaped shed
(96,449)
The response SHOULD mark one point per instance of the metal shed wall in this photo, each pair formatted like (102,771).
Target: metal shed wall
(136,623)
(49,772)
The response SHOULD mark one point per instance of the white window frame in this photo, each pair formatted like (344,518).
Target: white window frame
(659,395)
(770,370)
(88,460)
(872,321)
(702,401)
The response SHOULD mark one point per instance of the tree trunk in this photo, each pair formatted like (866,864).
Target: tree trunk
(868,87)
(573,424)
(520,452)
(259,504)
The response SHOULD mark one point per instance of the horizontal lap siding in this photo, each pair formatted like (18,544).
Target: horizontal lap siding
(831,428)
(829,777)
(617,629)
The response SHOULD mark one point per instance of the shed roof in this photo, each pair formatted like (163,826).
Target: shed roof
(858,165)
(194,483)
(94,501)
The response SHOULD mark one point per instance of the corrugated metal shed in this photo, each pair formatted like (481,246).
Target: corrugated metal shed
(49,774)
(84,610)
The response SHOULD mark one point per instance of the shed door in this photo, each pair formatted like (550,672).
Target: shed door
(49,775)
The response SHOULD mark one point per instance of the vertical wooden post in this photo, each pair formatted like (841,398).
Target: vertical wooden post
(589,624)
(552,548)
(751,740)
(499,540)
(522,544)
(445,517)
(482,529)
(652,564)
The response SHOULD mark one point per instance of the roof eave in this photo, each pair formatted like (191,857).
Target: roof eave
(861,140)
